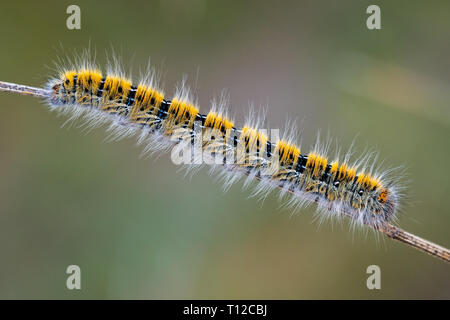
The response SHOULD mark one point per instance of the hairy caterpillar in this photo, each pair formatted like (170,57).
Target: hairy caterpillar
(339,188)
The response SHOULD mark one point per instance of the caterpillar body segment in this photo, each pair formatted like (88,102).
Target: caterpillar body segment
(218,138)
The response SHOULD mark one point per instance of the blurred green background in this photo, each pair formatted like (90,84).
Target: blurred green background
(139,229)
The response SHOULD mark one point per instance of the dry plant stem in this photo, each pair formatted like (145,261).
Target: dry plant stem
(414,241)
(389,230)
(26,90)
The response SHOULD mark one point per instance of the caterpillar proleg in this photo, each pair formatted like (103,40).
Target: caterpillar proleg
(338,187)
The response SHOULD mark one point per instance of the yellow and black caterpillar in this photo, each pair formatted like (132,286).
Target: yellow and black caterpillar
(336,186)
(358,190)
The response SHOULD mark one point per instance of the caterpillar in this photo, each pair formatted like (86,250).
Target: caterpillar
(338,187)
(334,185)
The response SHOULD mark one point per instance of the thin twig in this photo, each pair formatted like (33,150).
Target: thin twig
(26,90)
(388,229)
(414,241)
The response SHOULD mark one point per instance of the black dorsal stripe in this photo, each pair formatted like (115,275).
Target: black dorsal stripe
(74,89)
(100,87)
(75,78)
(326,174)
(201,117)
(301,163)
(130,96)
(163,109)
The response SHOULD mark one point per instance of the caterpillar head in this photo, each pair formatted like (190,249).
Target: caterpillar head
(381,206)
(374,202)
(388,202)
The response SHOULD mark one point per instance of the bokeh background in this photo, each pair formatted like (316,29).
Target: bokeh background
(141,230)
